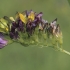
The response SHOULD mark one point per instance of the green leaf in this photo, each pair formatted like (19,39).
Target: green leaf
(69,1)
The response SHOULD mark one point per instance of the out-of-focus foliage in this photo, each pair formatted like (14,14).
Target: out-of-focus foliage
(69,1)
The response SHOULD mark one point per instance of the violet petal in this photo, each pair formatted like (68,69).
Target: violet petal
(2,43)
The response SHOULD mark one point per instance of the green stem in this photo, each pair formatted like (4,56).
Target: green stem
(64,51)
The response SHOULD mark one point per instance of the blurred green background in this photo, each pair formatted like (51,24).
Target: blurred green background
(17,57)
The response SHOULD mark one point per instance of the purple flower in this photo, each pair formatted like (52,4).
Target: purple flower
(20,26)
(14,35)
(3,43)
(40,15)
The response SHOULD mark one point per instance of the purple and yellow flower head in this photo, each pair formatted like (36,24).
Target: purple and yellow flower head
(30,28)
(29,25)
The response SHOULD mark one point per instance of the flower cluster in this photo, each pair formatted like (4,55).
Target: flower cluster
(29,28)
